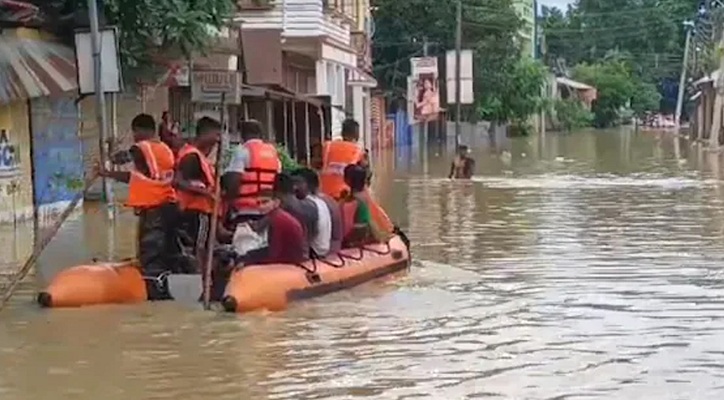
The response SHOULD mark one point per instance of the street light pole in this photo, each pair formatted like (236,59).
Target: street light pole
(682,79)
(106,194)
(458,50)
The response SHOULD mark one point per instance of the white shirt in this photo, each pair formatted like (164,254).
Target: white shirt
(240,158)
(321,242)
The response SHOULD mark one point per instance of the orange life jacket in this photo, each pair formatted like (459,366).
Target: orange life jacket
(349,211)
(336,156)
(156,188)
(257,181)
(380,218)
(192,201)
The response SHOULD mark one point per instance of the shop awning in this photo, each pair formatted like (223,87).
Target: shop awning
(34,68)
(17,11)
(573,84)
(712,77)
(358,77)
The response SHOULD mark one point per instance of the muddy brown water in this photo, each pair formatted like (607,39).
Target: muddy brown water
(575,266)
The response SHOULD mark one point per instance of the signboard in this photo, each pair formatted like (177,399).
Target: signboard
(425,88)
(57,152)
(466,76)
(207,87)
(110,62)
(9,163)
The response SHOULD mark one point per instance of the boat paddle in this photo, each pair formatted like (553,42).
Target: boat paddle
(210,244)
(9,290)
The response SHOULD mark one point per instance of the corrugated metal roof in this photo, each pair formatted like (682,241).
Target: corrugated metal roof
(571,83)
(34,68)
(713,77)
(17,11)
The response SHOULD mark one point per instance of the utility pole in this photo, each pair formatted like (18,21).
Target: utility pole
(682,80)
(425,123)
(458,50)
(106,194)
(717,117)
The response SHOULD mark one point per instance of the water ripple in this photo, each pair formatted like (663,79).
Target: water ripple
(588,269)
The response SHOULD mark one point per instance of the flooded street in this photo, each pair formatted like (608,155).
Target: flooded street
(576,266)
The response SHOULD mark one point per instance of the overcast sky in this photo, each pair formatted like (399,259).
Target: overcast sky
(562,4)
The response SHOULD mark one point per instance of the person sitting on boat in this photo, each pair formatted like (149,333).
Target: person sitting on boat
(462,166)
(338,154)
(296,203)
(152,196)
(328,239)
(359,228)
(285,237)
(249,178)
(194,182)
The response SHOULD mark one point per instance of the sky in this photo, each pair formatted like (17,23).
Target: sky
(562,4)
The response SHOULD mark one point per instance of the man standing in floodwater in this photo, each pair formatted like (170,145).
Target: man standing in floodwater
(152,196)
(463,166)
(194,182)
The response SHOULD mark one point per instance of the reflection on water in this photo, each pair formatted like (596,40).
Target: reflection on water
(573,266)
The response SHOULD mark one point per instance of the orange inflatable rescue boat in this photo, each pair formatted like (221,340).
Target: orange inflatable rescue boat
(252,287)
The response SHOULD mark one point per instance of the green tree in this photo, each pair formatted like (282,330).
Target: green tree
(505,87)
(646,97)
(148,28)
(517,94)
(178,28)
(615,88)
(651,31)
(572,114)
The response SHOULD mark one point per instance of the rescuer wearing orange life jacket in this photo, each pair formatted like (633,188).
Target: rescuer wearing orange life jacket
(152,196)
(248,181)
(336,156)
(194,182)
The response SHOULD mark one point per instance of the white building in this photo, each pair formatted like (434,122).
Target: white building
(325,50)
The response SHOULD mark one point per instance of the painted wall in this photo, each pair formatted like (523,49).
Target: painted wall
(16,188)
(57,153)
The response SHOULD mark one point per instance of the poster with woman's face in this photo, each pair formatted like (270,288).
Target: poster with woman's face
(427,99)
(425,93)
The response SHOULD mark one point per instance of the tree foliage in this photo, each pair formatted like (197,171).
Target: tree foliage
(518,92)
(179,27)
(171,28)
(572,114)
(651,32)
(505,87)
(615,88)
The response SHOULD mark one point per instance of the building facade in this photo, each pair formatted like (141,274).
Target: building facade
(41,161)
(324,48)
(526,10)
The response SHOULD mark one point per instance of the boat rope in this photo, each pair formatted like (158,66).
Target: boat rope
(327,261)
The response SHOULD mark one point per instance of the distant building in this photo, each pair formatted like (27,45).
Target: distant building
(526,10)
(323,48)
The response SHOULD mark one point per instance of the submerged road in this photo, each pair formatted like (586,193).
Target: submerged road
(581,266)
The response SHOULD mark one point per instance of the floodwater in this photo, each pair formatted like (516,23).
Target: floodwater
(581,266)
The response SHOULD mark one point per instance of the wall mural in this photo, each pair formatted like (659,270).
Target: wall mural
(57,153)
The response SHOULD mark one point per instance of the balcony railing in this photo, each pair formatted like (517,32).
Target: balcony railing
(346,9)
(255,4)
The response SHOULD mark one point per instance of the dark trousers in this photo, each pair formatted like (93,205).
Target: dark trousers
(194,229)
(159,249)
(225,262)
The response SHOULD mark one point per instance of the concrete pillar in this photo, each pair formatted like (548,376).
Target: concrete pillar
(358,111)
(321,78)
